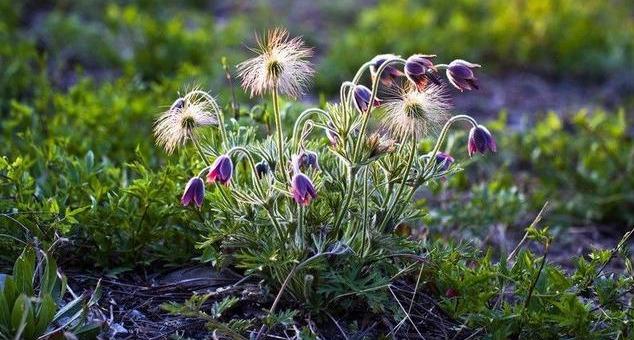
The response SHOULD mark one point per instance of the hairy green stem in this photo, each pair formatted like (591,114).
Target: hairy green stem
(301,118)
(201,152)
(366,115)
(348,196)
(443,136)
(410,161)
(365,210)
(357,146)
(429,165)
(278,133)
(259,189)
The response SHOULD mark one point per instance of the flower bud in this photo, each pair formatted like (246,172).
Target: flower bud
(262,169)
(452,293)
(362,96)
(307,159)
(221,170)
(389,74)
(194,192)
(331,133)
(302,189)
(460,75)
(480,140)
(444,161)
(380,144)
(419,69)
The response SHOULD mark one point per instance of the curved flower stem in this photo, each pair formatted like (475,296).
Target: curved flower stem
(300,119)
(360,138)
(443,136)
(366,116)
(344,91)
(355,81)
(251,162)
(410,161)
(349,193)
(429,166)
(300,226)
(278,133)
(214,104)
(259,189)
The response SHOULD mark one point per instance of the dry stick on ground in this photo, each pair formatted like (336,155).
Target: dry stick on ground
(535,222)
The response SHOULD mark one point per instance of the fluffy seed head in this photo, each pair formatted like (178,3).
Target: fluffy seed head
(417,112)
(174,127)
(281,63)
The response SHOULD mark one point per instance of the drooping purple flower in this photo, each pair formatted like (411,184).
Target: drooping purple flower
(362,96)
(302,189)
(480,140)
(460,75)
(221,170)
(419,69)
(444,160)
(262,169)
(331,133)
(389,74)
(307,159)
(194,192)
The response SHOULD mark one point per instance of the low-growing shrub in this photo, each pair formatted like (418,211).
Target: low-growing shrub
(314,214)
(120,216)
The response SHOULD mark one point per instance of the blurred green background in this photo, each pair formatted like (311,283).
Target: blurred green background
(82,81)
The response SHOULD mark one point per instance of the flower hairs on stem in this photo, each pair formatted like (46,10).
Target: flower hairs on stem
(281,63)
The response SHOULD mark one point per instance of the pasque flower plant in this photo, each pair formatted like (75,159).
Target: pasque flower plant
(281,204)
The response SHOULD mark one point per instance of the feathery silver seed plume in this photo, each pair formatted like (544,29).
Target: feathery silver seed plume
(417,112)
(281,63)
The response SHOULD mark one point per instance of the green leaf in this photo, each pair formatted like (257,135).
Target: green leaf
(49,278)
(23,271)
(88,331)
(71,309)
(10,291)
(5,312)
(20,315)
(89,159)
(45,314)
